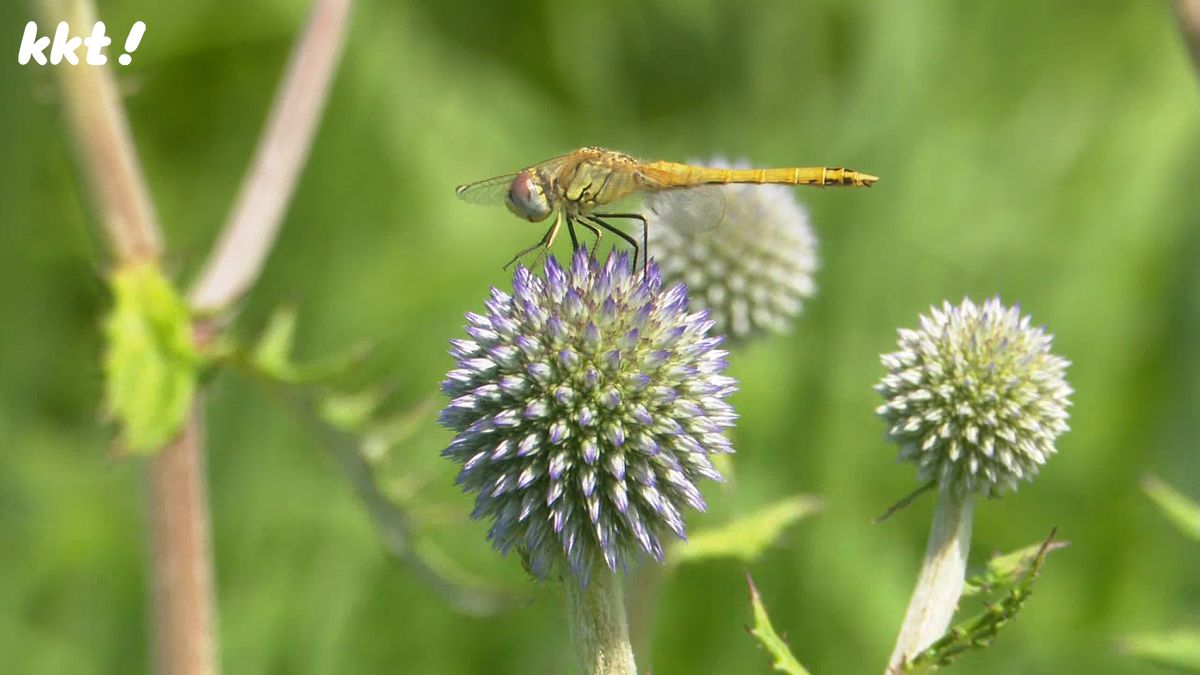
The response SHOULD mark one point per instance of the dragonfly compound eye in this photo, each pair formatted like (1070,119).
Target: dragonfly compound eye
(527,198)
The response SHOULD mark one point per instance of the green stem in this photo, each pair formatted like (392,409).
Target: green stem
(599,632)
(940,583)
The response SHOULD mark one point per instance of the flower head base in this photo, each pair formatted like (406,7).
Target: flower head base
(753,270)
(975,397)
(587,404)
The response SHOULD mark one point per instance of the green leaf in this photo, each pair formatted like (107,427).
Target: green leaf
(1180,510)
(151,363)
(747,537)
(782,659)
(1179,649)
(1004,569)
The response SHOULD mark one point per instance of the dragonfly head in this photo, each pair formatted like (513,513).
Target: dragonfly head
(527,197)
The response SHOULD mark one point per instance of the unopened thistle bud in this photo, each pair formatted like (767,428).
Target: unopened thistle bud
(752,267)
(974,397)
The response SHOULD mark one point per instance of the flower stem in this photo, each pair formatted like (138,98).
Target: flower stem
(941,580)
(596,613)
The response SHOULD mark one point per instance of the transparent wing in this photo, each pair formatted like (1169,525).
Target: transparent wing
(492,191)
(695,209)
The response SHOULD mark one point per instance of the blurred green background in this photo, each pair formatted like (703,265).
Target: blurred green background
(1046,152)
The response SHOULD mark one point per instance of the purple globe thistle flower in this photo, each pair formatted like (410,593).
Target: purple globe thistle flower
(586,405)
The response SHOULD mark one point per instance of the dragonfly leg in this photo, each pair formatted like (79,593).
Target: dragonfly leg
(545,243)
(594,230)
(645,238)
(632,242)
(570,230)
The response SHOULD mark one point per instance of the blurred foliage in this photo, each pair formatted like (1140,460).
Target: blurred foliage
(1183,512)
(747,537)
(1175,650)
(1046,152)
(360,427)
(1178,649)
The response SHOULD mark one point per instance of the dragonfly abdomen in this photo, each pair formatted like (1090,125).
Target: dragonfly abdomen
(684,175)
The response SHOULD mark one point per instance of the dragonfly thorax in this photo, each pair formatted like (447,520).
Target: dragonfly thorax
(527,197)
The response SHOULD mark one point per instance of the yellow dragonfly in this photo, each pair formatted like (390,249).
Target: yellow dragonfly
(580,184)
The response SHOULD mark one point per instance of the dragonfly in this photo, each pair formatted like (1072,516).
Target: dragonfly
(580,187)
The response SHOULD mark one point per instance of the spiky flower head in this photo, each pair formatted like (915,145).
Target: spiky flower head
(975,397)
(586,405)
(751,268)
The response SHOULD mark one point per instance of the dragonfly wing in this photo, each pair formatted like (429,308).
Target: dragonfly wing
(490,192)
(552,166)
(493,191)
(695,209)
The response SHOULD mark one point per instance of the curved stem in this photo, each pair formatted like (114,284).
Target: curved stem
(940,582)
(1188,12)
(248,236)
(599,632)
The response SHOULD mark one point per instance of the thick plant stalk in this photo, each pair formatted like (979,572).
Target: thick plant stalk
(599,632)
(105,147)
(181,586)
(182,600)
(940,582)
(183,607)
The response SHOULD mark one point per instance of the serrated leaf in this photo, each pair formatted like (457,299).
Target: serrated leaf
(1179,649)
(980,631)
(382,435)
(1003,570)
(151,363)
(272,355)
(747,537)
(273,351)
(782,659)
(1176,506)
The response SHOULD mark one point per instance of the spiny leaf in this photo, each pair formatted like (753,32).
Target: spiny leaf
(747,537)
(151,363)
(1180,510)
(1179,649)
(1004,569)
(980,631)
(782,659)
